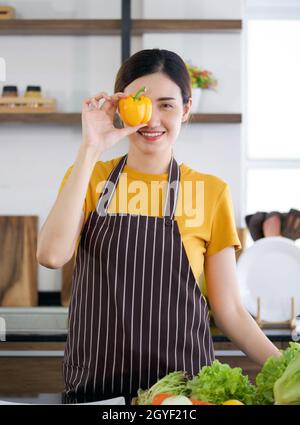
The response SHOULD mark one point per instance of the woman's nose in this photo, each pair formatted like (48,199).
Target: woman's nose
(155,119)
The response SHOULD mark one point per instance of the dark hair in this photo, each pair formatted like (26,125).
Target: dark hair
(149,61)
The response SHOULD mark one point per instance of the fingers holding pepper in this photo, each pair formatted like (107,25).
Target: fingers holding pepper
(134,109)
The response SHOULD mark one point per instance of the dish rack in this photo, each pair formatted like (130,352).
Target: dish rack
(289,324)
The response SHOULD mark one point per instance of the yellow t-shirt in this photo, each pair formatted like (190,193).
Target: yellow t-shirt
(204,211)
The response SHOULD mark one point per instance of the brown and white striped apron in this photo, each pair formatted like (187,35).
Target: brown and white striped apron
(136,310)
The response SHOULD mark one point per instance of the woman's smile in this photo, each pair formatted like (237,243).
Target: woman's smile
(151,136)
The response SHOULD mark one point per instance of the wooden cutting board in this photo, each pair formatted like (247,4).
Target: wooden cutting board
(18,264)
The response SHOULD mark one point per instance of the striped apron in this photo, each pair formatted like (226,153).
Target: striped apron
(136,310)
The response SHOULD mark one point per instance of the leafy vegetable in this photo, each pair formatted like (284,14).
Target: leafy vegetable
(272,370)
(287,387)
(173,383)
(219,382)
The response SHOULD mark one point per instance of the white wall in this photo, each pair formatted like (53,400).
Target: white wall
(34,158)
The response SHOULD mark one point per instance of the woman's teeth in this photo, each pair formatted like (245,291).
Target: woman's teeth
(151,134)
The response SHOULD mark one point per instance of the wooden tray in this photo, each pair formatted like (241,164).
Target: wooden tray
(27,104)
(7,12)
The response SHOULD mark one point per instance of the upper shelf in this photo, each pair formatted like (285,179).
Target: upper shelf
(74,118)
(113,26)
(140,26)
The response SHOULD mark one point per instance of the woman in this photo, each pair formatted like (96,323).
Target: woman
(137,311)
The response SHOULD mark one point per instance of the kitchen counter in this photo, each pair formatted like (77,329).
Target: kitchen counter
(59,398)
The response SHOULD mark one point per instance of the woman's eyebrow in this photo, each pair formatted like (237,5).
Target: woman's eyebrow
(165,98)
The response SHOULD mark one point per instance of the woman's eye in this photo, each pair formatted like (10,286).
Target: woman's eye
(167,105)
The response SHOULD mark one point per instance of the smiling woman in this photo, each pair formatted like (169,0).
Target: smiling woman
(137,309)
(167,80)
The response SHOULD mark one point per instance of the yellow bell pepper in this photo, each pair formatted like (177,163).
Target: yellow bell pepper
(135,109)
(233,402)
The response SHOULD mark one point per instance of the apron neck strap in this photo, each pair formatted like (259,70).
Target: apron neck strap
(113,179)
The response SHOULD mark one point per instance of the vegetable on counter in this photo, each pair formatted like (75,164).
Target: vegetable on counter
(219,383)
(200,402)
(287,387)
(173,384)
(233,403)
(177,400)
(278,382)
(136,109)
(272,370)
(159,398)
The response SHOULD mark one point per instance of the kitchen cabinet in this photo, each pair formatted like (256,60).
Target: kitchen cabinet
(31,367)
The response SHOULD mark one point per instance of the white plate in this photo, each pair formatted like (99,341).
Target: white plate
(270,269)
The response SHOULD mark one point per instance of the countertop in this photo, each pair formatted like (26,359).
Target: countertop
(59,398)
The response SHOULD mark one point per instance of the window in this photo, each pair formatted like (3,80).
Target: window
(273,106)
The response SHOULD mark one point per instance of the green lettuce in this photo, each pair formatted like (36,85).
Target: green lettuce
(173,383)
(287,387)
(271,371)
(219,382)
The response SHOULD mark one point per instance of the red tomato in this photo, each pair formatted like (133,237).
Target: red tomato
(159,398)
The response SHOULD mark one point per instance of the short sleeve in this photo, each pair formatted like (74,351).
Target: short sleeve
(223,231)
(65,178)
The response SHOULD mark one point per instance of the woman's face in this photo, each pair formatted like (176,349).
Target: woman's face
(167,115)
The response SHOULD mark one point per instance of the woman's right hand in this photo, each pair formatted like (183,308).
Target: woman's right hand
(98,130)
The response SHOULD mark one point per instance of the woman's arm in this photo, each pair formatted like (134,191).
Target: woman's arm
(58,235)
(229,314)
